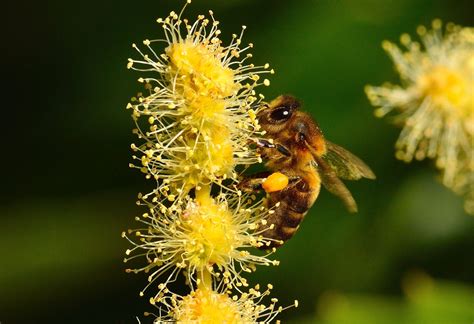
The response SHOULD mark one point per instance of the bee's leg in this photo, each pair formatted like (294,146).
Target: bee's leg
(293,180)
(283,150)
(267,144)
(253,182)
(264,143)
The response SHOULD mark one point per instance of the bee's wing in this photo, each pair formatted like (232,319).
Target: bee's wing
(345,164)
(334,185)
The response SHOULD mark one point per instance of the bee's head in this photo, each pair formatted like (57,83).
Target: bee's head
(275,116)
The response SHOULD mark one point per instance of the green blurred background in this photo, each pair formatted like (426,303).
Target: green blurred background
(67,193)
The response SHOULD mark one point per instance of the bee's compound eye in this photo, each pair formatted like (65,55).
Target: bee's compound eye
(281,113)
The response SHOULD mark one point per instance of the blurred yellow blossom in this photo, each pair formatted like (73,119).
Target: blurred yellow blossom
(435,103)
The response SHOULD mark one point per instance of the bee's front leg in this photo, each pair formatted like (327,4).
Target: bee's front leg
(267,144)
(264,143)
(253,182)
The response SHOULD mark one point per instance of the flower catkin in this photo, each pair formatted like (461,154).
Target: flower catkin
(435,102)
(196,124)
(200,106)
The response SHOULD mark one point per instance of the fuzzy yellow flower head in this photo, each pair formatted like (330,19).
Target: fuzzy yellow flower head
(205,234)
(435,103)
(205,306)
(199,107)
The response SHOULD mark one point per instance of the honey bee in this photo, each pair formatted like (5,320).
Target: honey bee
(300,160)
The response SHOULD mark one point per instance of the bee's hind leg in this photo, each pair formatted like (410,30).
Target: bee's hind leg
(253,182)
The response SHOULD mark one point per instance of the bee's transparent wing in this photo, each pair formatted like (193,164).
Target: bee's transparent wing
(345,164)
(334,185)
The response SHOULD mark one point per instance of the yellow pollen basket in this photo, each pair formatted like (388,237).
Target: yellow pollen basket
(275,182)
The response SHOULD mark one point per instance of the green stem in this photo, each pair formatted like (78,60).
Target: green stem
(205,282)
(203,195)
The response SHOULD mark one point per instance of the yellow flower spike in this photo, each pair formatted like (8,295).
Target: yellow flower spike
(200,93)
(197,121)
(435,103)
